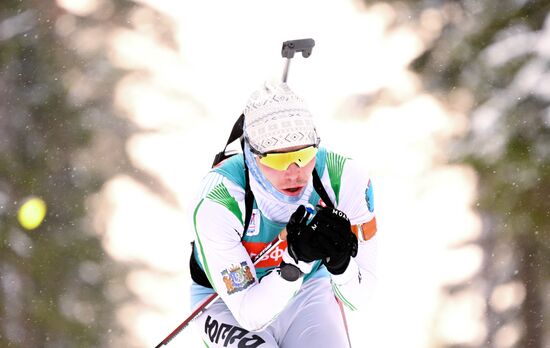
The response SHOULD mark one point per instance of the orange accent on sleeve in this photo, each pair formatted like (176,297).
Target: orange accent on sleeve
(368,229)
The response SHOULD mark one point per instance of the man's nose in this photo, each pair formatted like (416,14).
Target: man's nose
(292,171)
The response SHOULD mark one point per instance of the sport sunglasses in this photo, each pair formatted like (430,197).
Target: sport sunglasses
(281,160)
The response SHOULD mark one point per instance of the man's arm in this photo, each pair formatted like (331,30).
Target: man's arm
(356,284)
(254,303)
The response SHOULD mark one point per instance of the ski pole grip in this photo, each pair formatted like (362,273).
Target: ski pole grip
(303,45)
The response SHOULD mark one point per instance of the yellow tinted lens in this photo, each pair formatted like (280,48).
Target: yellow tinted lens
(281,161)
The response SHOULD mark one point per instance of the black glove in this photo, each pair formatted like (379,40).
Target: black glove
(334,227)
(304,243)
(338,263)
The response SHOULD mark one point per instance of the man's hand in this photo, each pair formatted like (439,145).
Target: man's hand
(304,244)
(327,237)
(333,226)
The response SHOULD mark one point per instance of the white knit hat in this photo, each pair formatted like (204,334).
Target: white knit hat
(276,118)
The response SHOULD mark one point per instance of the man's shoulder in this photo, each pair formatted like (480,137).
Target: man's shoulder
(232,168)
(337,163)
(218,195)
(215,185)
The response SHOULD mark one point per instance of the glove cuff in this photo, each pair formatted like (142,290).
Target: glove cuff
(350,273)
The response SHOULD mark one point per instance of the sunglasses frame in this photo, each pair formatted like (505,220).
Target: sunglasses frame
(263,154)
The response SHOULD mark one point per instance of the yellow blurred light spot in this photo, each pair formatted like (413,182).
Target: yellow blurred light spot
(32,213)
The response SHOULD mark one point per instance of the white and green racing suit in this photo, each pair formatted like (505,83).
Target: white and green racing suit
(257,307)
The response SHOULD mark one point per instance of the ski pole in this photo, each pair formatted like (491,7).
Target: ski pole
(203,306)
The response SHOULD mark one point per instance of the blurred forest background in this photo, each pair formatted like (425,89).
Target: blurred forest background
(62,137)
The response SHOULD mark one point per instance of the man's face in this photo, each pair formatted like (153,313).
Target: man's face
(290,181)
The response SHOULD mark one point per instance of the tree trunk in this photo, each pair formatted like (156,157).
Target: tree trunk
(533,306)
